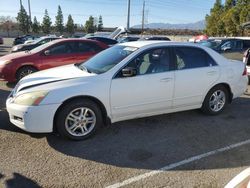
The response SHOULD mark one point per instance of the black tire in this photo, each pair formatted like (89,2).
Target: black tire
(62,121)
(207,108)
(24,71)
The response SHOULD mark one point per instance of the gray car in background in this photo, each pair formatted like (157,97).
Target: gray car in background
(231,48)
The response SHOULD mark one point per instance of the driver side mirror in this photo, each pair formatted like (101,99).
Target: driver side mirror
(129,72)
(46,52)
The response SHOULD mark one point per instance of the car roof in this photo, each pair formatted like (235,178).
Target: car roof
(140,44)
(72,40)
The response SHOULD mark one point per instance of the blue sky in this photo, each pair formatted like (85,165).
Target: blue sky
(114,11)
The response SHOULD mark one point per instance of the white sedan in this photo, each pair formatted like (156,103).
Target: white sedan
(129,80)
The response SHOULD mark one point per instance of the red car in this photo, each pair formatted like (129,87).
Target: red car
(15,66)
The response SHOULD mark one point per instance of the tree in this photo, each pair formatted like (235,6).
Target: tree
(70,26)
(229,4)
(35,26)
(59,20)
(214,25)
(7,24)
(89,25)
(23,20)
(231,19)
(46,25)
(245,14)
(228,20)
(100,24)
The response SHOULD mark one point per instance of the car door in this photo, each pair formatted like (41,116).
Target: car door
(86,50)
(62,53)
(149,92)
(233,49)
(195,73)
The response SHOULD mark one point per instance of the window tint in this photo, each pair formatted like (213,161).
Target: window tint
(238,45)
(84,47)
(153,61)
(64,48)
(246,44)
(188,57)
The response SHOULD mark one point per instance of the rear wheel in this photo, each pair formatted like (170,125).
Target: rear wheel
(216,100)
(79,119)
(25,71)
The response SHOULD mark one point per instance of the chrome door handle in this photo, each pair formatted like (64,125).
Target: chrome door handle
(166,79)
(211,72)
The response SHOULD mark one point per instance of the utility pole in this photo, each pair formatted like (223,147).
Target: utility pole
(29,14)
(143,20)
(29,9)
(128,17)
(20,4)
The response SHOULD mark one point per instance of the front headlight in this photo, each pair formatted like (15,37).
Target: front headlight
(15,48)
(30,99)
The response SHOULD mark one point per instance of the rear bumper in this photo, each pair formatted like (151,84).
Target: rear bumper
(248,71)
(240,87)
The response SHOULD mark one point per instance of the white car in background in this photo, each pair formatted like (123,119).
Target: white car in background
(126,81)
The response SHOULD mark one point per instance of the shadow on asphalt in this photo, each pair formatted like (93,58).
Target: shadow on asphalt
(20,181)
(150,143)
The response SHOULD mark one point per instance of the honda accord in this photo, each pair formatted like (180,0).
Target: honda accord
(126,81)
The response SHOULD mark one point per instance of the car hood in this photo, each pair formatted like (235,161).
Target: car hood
(15,55)
(53,75)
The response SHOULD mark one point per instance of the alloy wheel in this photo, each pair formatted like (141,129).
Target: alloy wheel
(80,121)
(217,100)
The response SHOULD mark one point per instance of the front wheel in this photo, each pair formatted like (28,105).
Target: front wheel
(24,71)
(216,100)
(78,119)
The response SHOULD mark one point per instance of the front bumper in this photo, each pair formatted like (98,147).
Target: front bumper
(7,74)
(35,119)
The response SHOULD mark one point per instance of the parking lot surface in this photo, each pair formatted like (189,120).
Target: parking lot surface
(5,48)
(129,153)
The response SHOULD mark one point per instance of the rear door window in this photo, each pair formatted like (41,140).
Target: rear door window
(84,47)
(246,44)
(190,57)
(238,45)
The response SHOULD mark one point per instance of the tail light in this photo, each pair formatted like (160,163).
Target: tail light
(245,53)
(245,71)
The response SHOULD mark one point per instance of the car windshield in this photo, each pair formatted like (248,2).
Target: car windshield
(107,59)
(42,47)
(214,44)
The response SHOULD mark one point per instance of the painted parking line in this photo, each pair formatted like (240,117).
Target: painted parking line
(177,164)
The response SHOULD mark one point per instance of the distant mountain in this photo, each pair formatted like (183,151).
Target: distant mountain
(200,25)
